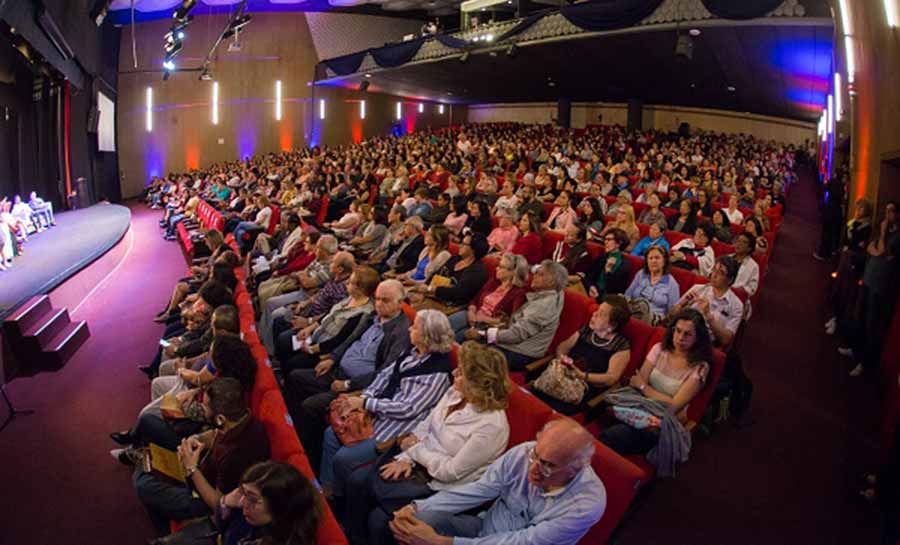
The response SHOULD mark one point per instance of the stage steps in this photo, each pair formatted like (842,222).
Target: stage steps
(41,337)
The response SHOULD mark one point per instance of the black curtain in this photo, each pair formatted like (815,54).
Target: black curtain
(741,9)
(451,42)
(602,15)
(399,54)
(346,65)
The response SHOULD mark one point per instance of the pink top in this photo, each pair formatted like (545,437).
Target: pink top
(455,223)
(503,239)
(491,300)
(560,219)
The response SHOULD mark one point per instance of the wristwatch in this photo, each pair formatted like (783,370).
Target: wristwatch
(189,472)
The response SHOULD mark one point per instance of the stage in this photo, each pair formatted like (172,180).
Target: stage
(52,257)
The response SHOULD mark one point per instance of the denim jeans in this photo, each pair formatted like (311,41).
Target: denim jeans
(338,461)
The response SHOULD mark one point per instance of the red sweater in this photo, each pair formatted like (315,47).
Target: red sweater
(530,247)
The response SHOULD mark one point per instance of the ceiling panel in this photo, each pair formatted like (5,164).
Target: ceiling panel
(775,70)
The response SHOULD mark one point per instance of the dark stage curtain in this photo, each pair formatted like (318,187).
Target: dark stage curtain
(740,9)
(520,27)
(450,41)
(399,54)
(346,65)
(609,14)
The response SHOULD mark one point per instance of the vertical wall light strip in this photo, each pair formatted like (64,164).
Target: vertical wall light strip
(215,103)
(278,100)
(321,108)
(441,109)
(399,112)
(838,97)
(845,17)
(830,113)
(890,11)
(149,109)
(421,107)
(362,109)
(851,58)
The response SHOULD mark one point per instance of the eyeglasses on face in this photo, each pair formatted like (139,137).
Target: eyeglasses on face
(546,468)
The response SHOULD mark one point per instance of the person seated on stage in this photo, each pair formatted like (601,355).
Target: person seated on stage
(273,500)
(463,434)
(321,336)
(532,327)
(300,314)
(546,492)
(213,461)
(378,340)
(715,302)
(18,228)
(7,245)
(22,212)
(228,356)
(402,394)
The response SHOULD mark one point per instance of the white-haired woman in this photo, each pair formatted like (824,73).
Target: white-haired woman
(497,300)
(401,395)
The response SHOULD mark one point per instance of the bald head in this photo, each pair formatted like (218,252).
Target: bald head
(342,264)
(564,448)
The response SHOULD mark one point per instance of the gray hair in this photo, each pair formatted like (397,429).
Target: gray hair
(415,221)
(345,261)
(518,266)
(560,274)
(435,329)
(396,286)
(581,456)
(329,243)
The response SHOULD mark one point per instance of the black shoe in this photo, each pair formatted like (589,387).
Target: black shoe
(149,371)
(123,438)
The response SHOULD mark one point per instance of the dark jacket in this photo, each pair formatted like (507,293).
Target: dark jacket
(466,282)
(394,342)
(409,255)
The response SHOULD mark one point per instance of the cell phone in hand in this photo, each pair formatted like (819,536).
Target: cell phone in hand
(164,343)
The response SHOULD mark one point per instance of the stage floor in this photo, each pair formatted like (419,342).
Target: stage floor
(51,257)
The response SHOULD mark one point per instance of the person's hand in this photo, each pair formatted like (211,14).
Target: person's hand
(702,305)
(396,470)
(180,363)
(636,382)
(472,314)
(408,441)
(472,334)
(352,403)
(593,292)
(406,512)
(677,256)
(189,452)
(185,396)
(169,351)
(338,386)
(412,531)
(233,499)
(324,366)
(299,323)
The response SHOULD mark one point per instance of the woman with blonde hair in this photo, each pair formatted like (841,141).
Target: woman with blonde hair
(625,221)
(465,432)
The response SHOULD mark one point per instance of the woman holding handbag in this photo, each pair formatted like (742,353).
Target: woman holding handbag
(462,435)
(589,361)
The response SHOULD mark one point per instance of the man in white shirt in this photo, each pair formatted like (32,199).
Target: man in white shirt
(546,492)
(697,247)
(735,216)
(748,271)
(721,308)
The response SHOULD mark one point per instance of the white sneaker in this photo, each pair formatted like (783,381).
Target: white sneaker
(831,323)
(857,371)
(846,352)
(830,328)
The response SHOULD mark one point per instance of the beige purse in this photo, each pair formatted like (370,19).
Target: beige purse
(561,382)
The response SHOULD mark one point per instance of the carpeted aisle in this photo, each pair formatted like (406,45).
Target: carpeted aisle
(785,479)
(59,483)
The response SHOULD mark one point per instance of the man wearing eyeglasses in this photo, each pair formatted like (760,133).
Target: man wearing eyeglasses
(545,492)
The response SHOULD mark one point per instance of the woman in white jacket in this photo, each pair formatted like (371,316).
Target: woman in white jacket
(465,432)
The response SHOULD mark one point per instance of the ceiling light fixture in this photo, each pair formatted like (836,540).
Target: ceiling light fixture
(694,32)
(731,89)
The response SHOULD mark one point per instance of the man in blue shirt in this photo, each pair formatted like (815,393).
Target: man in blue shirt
(543,491)
(377,341)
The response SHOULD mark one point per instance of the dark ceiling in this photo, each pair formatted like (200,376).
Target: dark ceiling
(775,70)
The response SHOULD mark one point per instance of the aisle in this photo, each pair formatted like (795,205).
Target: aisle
(59,483)
(785,478)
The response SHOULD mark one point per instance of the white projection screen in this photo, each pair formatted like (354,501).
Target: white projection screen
(106,128)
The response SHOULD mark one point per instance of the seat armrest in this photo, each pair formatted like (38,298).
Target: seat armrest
(538,364)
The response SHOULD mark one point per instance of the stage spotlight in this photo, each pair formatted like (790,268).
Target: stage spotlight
(236,26)
(181,13)
(173,49)
(168,65)
(464,57)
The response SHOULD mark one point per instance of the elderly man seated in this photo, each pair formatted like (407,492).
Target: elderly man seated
(545,492)
(378,340)
(532,327)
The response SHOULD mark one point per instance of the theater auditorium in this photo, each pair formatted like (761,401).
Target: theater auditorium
(425,272)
